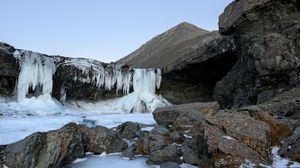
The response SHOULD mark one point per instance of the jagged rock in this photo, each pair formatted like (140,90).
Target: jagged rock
(267,38)
(291,146)
(25,153)
(246,129)
(167,154)
(128,130)
(61,148)
(170,165)
(168,115)
(101,139)
(227,151)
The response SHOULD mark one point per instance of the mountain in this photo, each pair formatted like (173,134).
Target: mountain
(166,48)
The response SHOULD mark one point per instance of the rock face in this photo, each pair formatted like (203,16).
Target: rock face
(192,60)
(266,34)
(9,70)
(61,147)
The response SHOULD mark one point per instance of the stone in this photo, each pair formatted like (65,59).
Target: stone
(101,139)
(168,115)
(268,54)
(167,154)
(25,153)
(128,130)
(246,129)
(61,148)
(170,165)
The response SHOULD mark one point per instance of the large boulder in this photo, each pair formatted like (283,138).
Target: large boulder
(25,153)
(61,147)
(101,139)
(193,111)
(129,130)
(266,34)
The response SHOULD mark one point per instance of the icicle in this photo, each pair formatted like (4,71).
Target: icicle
(36,69)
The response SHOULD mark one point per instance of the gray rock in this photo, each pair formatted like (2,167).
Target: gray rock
(291,146)
(25,153)
(268,53)
(61,148)
(101,139)
(167,154)
(128,130)
(170,165)
(168,115)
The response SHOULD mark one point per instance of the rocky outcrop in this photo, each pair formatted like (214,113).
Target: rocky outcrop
(9,70)
(217,138)
(266,34)
(61,147)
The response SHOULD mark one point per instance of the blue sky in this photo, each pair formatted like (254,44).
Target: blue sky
(101,29)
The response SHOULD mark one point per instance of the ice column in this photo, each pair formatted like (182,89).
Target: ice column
(36,71)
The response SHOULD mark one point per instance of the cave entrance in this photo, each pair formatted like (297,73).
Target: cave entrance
(196,82)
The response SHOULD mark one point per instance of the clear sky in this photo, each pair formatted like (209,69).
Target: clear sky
(101,29)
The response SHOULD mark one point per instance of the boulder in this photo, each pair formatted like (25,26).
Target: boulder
(128,130)
(194,111)
(25,153)
(167,154)
(61,148)
(256,134)
(101,139)
(266,34)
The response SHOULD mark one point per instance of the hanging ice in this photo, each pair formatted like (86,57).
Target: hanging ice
(144,97)
(113,76)
(36,73)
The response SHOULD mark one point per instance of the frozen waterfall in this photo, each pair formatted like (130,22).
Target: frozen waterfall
(36,73)
(138,85)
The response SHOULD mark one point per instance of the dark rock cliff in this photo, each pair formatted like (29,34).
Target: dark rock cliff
(266,33)
(9,70)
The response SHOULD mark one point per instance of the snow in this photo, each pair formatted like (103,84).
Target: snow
(278,161)
(115,161)
(36,71)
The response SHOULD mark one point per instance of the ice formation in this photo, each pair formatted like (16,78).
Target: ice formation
(110,77)
(36,73)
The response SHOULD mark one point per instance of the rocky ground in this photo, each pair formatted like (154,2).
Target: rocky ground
(198,134)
